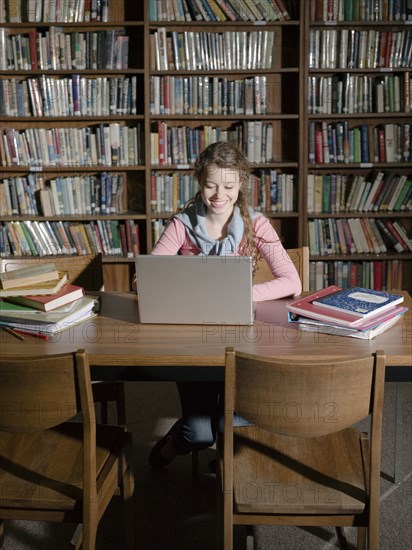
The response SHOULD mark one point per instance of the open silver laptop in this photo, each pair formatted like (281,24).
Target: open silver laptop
(194,289)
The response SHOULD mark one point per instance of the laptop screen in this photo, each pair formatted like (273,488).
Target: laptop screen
(194,289)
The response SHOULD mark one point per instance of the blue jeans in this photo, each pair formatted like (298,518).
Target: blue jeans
(202,414)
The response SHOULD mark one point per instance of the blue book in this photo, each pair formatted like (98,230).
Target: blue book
(360,302)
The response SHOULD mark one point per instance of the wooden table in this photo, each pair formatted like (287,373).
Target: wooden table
(120,348)
(116,338)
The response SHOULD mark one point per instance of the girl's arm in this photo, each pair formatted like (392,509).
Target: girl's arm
(286,280)
(171,240)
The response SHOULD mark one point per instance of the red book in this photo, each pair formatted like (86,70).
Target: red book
(388,52)
(68,294)
(318,145)
(381,145)
(382,49)
(123,239)
(306,308)
(33,50)
(352,274)
(378,275)
(162,147)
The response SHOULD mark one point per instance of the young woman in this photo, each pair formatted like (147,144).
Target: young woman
(219,221)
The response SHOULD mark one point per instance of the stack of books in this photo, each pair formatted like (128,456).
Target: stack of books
(356,312)
(38,300)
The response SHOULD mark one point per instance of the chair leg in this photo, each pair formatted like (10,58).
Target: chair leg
(195,464)
(128,490)
(361,538)
(77,537)
(1,533)
(89,538)
(340,533)
(250,541)
(104,412)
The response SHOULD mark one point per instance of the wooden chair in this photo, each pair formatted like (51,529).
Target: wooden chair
(85,271)
(300,258)
(56,469)
(302,462)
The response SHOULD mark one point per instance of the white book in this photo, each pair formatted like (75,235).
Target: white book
(362,236)
(37,238)
(400,183)
(68,183)
(310,183)
(360,185)
(354,229)
(51,234)
(250,141)
(380,95)
(367,188)
(115,143)
(42,230)
(368,202)
(390,142)
(269,143)
(378,236)
(290,192)
(258,141)
(249,97)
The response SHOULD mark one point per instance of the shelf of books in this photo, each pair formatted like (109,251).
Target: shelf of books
(359,147)
(225,71)
(104,106)
(72,143)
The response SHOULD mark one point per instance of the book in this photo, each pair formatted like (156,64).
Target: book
(69,293)
(50,324)
(311,325)
(28,275)
(11,310)
(359,302)
(47,287)
(305,307)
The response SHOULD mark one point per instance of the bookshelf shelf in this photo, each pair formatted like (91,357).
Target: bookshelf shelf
(83,72)
(78,217)
(358,214)
(360,257)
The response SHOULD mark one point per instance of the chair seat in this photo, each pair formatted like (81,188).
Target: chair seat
(44,469)
(275,486)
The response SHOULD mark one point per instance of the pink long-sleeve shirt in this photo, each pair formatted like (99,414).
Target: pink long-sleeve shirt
(286,282)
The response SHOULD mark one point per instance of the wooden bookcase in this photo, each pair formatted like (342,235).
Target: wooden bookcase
(123,17)
(286,111)
(326,69)
(282,112)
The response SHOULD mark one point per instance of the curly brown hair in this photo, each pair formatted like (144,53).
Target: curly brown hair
(225,155)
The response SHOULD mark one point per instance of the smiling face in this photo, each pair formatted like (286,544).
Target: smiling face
(220,190)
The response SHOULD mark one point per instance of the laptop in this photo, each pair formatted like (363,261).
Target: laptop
(194,289)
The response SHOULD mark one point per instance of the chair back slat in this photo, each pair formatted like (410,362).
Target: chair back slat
(38,393)
(300,259)
(304,400)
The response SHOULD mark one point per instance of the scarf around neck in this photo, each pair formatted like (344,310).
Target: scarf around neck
(194,219)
